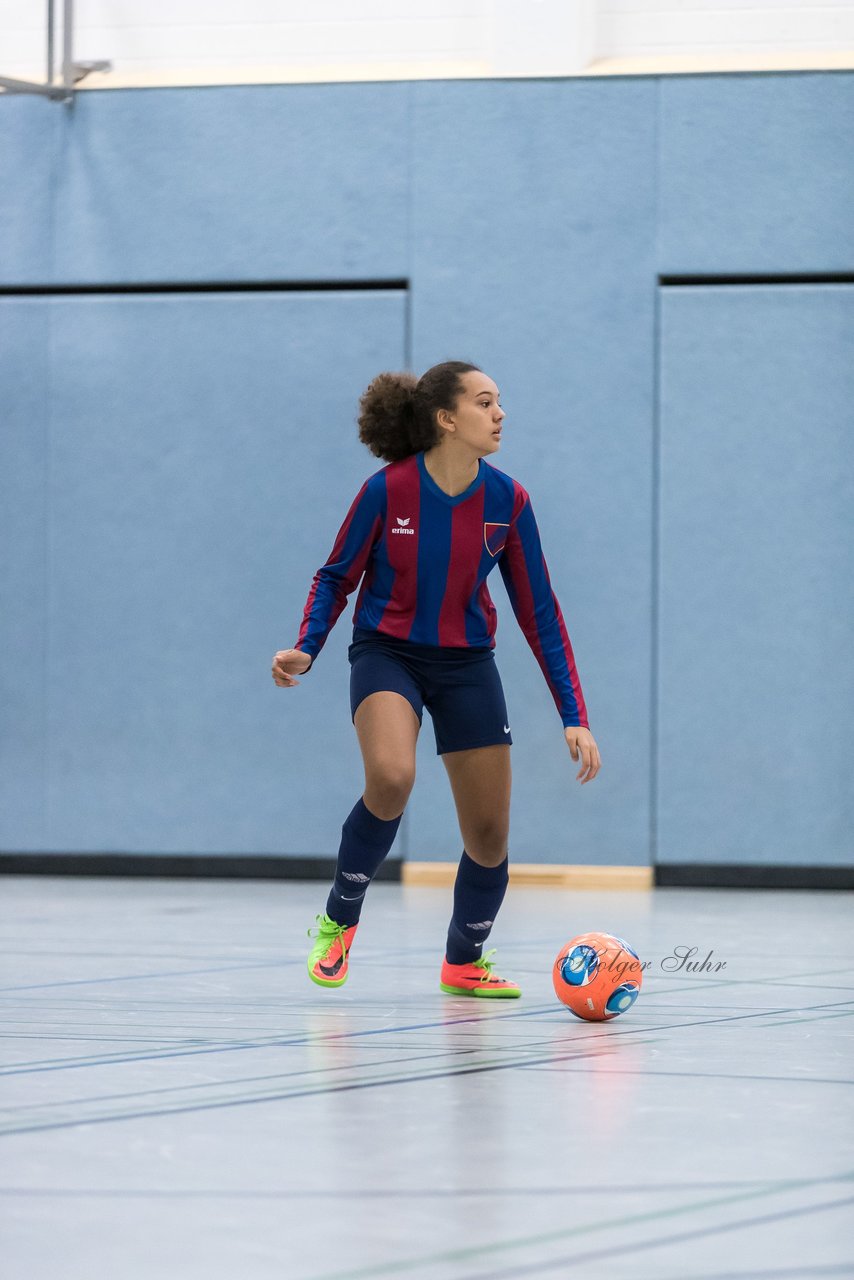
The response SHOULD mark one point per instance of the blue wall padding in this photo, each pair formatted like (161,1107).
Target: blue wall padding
(756,174)
(756,682)
(163,547)
(290,181)
(173,468)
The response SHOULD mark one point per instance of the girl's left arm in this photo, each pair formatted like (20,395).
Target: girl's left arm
(526,576)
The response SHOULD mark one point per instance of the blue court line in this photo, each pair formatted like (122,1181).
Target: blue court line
(226,1046)
(140,977)
(479,1069)
(26,953)
(809,1271)
(568,1060)
(78,1038)
(368,960)
(412,1055)
(242,1046)
(822,1017)
(599,1255)
(460,1256)
(416,1053)
(224,1103)
(394,1193)
(714,1075)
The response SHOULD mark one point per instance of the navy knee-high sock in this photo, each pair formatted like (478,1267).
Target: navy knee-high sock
(365,841)
(478,894)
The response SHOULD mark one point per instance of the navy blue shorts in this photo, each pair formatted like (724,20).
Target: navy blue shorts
(461,688)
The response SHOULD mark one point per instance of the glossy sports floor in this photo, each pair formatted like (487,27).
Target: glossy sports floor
(180,1101)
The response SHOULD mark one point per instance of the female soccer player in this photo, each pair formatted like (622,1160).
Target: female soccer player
(426,530)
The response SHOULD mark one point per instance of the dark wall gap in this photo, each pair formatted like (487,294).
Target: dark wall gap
(207,286)
(236,866)
(840,277)
(750,875)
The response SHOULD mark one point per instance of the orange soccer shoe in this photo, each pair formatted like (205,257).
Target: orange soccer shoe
(477,979)
(328,960)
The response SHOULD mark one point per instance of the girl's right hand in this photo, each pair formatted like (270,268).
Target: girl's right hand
(288,663)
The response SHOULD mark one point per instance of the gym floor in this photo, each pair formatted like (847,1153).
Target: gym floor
(181,1101)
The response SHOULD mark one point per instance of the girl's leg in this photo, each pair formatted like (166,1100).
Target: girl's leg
(387,727)
(480,781)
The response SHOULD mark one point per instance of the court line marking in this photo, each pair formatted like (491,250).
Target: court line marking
(140,977)
(284,962)
(610,1224)
(359,1070)
(807,1272)
(598,1255)
(411,1056)
(615,1033)
(703,1075)
(279,1042)
(486,1192)
(321,1089)
(467,1069)
(271,1042)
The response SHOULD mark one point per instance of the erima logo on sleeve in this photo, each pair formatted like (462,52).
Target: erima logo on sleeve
(402,525)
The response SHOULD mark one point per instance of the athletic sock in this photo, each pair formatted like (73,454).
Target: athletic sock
(478,894)
(365,841)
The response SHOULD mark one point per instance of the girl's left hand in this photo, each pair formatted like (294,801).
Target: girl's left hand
(582,740)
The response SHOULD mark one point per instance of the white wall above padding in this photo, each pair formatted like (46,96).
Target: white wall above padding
(221,41)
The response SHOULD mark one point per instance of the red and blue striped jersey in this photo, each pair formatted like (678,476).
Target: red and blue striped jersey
(426,556)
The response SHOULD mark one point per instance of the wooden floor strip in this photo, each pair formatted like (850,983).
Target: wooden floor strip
(539,875)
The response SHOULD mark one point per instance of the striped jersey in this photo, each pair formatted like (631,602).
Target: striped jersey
(426,556)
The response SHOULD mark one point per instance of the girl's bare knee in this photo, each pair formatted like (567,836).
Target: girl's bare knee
(487,843)
(388,790)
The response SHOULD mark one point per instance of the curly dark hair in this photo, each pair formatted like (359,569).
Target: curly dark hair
(397,411)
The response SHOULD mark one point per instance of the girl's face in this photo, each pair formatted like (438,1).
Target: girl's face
(477,415)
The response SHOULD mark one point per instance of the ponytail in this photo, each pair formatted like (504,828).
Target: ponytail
(397,412)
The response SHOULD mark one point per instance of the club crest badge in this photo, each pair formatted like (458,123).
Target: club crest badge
(495,536)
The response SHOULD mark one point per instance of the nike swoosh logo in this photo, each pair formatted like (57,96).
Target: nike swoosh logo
(329,971)
(507,728)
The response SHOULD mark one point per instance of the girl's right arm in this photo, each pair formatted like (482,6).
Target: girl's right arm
(334,581)
(286,664)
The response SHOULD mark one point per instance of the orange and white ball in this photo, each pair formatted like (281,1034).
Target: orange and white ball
(597,976)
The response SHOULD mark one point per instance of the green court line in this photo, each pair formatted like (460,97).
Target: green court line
(821,1018)
(525,1242)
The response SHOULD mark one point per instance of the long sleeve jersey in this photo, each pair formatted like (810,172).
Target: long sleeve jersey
(426,556)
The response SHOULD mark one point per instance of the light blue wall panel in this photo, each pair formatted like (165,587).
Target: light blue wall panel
(283,182)
(756,174)
(203,451)
(29,671)
(28,135)
(532,218)
(534,256)
(757,566)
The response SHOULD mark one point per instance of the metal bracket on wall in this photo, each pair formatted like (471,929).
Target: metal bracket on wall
(72,72)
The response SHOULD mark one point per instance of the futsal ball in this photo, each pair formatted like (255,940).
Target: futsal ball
(597,976)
